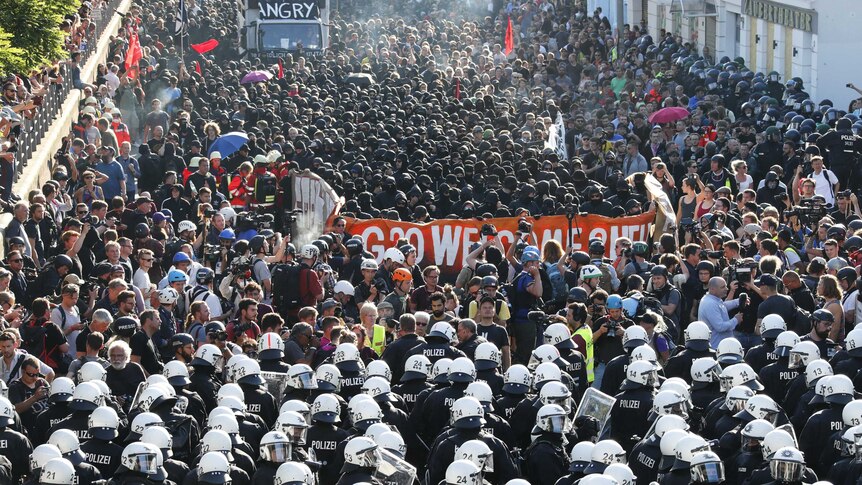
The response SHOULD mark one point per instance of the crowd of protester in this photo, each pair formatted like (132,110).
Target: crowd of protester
(160,326)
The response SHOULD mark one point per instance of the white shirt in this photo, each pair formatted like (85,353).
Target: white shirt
(824,182)
(72,317)
(141,280)
(20,354)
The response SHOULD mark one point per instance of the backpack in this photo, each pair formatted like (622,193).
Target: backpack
(558,282)
(801,323)
(605,282)
(265,188)
(285,287)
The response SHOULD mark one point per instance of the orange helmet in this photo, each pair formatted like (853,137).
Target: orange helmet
(402,274)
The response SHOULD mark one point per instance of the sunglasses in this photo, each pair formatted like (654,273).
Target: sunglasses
(420,324)
(32,374)
(146,259)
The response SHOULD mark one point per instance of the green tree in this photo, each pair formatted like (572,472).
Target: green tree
(11,58)
(35,32)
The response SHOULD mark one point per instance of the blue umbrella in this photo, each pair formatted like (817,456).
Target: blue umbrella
(228,143)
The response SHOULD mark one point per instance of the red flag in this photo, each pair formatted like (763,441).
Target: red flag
(280,69)
(510,38)
(133,56)
(458,89)
(198,68)
(205,47)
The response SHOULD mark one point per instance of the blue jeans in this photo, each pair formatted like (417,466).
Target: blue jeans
(598,373)
(748,340)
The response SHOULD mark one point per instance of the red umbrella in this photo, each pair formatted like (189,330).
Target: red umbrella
(668,115)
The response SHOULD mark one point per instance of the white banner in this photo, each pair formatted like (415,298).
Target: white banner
(315,200)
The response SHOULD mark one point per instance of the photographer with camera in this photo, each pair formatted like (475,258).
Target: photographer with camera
(825,181)
(607,335)
(636,261)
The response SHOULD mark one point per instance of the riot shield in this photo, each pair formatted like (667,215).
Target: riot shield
(597,405)
(393,470)
(276,383)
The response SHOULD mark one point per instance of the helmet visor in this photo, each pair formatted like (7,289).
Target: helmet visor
(796,360)
(486,463)
(146,463)
(534,362)
(735,405)
(276,452)
(557,424)
(306,380)
(749,443)
(707,473)
(297,434)
(369,458)
(564,402)
(786,471)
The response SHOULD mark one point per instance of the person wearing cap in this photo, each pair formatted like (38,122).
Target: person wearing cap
(714,308)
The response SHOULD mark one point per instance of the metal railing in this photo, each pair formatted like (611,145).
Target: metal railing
(33,131)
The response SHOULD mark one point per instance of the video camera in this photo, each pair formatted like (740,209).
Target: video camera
(741,272)
(91,283)
(248,220)
(240,266)
(809,211)
(539,318)
(212,252)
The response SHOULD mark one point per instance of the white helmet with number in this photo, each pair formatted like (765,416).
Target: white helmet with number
(214,467)
(853,342)
(217,440)
(669,402)
(739,375)
(364,411)
(62,390)
(326,408)
(301,376)
(294,473)
(308,251)
(58,471)
(161,438)
(270,346)
(226,422)
(248,372)
(815,370)
(143,458)
(92,371)
(378,388)
(669,422)
(103,423)
(603,454)
(481,391)
(559,335)
(347,358)
(787,465)
(463,472)
(556,393)
(640,373)
(487,356)
(392,442)
(730,351)
(546,372)
(143,421)
(852,413)
(736,397)
(378,368)
(467,413)
(394,254)
(462,369)
(375,430)
(177,373)
(541,354)
(444,330)
(685,450)
(41,454)
(775,440)
(343,287)
(417,367)
(704,370)
(478,452)
(839,390)
(67,441)
(785,341)
(772,325)
(668,445)
(361,451)
(328,378)
(230,390)
(634,337)
(184,226)
(644,352)
(293,425)
(517,380)
(753,433)
(207,355)
(7,412)
(621,473)
(275,447)
(231,365)
(706,467)
(803,353)
(697,336)
(440,371)
(553,418)
(298,406)
(580,456)
(760,406)
(597,479)
(168,296)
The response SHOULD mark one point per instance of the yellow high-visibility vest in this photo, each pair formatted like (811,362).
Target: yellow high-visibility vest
(587,334)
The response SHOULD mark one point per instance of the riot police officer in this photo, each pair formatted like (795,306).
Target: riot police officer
(545,460)
(628,416)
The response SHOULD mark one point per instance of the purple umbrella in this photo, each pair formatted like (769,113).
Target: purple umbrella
(256,77)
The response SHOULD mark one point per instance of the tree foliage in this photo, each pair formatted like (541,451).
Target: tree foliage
(33,32)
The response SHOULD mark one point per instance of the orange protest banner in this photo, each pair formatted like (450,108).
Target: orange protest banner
(445,242)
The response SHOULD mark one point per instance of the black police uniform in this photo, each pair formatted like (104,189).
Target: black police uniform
(259,401)
(776,378)
(493,378)
(177,470)
(358,475)
(296,394)
(576,368)
(849,367)
(741,465)
(795,390)
(523,419)
(505,405)
(500,428)
(816,433)
(104,455)
(763,476)
(265,473)
(241,461)
(236,476)
(17,448)
(274,365)
(194,405)
(628,417)
(394,416)
(206,384)
(85,473)
(351,383)
(615,375)
(251,428)
(428,419)
(77,422)
(545,460)
(323,438)
(761,355)
(48,418)
(410,391)
(443,451)
(435,348)
(184,429)
(644,459)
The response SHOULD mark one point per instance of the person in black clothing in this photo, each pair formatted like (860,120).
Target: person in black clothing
(628,416)
(468,339)
(123,376)
(545,460)
(29,393)
(395,354)
(143,350)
